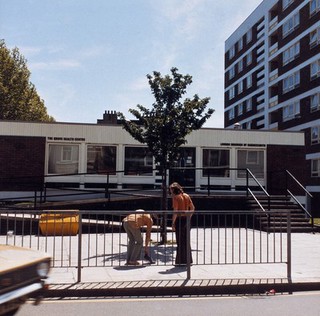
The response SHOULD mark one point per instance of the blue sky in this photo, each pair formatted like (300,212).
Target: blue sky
(87,57)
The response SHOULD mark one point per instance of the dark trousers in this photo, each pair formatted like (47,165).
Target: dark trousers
(181,238)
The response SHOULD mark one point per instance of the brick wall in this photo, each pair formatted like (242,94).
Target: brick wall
(281,158)
(22,163)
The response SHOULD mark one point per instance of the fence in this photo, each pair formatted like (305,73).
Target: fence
(96,238)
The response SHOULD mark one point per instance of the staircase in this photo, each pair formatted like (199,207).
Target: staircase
(277,221)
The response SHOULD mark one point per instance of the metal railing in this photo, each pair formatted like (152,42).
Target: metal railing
(289,175)
(80,239)
(68,190)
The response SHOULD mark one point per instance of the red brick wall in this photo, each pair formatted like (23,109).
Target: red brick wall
(22,162)
(281,158)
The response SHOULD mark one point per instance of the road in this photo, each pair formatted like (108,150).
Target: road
(297,304)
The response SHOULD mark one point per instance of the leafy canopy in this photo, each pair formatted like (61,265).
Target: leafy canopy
(19,99)
(164,127)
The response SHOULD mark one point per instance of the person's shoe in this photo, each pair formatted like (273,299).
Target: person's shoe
(148,258)
(133,263)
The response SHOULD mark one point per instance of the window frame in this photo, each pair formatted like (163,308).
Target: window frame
(248,104)
(232,52)
(316,107)
(316,65)
(231,72)
(314,37)
(292,53)
(295,78)
(240,86)
(231,114)
(316,7)
(315,168)
(232,92)
(96,159)
(249,58)
(217,154)
(291,24)
(240,65)
(315,135)
(249,36)
(286,4)
(63,158)
(292,110)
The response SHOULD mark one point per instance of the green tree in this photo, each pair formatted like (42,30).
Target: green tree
(19,99)
(164,127)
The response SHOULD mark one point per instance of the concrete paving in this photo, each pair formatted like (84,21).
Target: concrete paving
(163,280)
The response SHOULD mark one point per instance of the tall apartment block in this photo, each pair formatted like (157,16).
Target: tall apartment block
(272,75)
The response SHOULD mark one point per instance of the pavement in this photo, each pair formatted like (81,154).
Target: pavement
(218,279)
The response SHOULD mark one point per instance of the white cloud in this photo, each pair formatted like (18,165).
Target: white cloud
(93,51)
(55,65)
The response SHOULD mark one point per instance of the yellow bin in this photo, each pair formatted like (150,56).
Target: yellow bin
(65,223)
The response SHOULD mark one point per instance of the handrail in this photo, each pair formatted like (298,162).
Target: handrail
(303,208)
(256,180)
(255,198)
(261,187)
(297,182)
(296,200)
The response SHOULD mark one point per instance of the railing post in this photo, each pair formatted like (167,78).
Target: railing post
(289,247)
(45,193)
(35,200)
(286,180)
(188,247)
(247,181)
(208,181)
(107,194)
(79,248)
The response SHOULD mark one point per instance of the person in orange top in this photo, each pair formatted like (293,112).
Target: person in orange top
(182,208)
(132,225)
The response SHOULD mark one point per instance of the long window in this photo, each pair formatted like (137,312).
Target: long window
(291,53)
(315,102)
(249,58)
(249,81)
(240,87)
(232,92)
(252,160)
(315,167)
(291,82)
(240,65)
(240,44)
(63,159)
(290,25)
(138,161)
(216,162)
(240,109)
(286,3)
(315,135)
(231,72)
(315,37)
(315,69)
(249,105)
(290,111)
(231,114)
(232,52)
(249,36)
(101,159)
(314,6)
